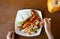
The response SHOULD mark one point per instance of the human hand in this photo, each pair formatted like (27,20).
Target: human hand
(10,35)
(47,26)
(46,23)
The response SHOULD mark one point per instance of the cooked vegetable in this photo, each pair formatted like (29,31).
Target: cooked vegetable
(19,22)
(35,30)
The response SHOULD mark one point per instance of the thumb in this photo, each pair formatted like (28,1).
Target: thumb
(45,22)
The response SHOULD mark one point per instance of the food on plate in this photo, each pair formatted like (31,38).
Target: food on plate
(33,27)
(31,24)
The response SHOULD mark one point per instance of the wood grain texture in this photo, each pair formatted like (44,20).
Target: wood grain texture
(8,11)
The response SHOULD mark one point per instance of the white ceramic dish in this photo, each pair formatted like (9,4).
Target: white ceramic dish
(17,31)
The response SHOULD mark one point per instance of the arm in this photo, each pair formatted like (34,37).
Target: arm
(47,26)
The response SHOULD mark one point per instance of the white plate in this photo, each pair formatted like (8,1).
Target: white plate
(17,31)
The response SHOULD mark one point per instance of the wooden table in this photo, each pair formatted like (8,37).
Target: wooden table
(8,11)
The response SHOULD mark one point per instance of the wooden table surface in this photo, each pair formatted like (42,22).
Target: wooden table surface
(8,11)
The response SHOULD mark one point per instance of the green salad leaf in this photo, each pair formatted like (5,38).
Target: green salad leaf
(35,29)
(19,22)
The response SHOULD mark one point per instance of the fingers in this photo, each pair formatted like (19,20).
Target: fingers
(47,24)
(45,21)
(42,23)
(10,35)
